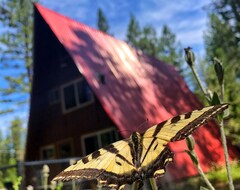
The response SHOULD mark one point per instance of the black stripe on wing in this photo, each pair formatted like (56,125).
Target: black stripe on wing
(112,149)
(104,178)
(202,119)
(159,163)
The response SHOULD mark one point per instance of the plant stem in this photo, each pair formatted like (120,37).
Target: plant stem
(208,183)
(191,144)
(224,144)
(190,59)
(153,183)
(222,92)
(228,167)
(199,82)
(223,136)
(73,185)
(134,186)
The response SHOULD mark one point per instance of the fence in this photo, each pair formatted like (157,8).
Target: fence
(38,174)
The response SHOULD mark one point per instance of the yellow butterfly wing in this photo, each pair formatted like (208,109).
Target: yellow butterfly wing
(112,166)
(155,153)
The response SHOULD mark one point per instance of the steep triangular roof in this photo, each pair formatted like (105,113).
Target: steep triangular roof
(132,86)
(137,87)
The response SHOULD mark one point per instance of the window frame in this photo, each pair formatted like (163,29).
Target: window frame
(50,146)
(78,104)
(62,142)
(98,134)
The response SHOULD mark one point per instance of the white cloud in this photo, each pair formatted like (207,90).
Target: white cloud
(191,37)
(185,24)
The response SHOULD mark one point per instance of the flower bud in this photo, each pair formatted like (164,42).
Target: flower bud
(189,56)
(219,70)
(193,157)
(190,142)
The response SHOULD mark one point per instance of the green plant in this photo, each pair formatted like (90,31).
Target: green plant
(213,99)
(59,186)
(17,183)
(218,173)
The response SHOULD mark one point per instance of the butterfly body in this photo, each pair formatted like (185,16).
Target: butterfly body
(141,156)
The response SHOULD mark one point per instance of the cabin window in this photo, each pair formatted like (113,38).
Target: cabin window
(91,144)
(53,96)
(94,141)
(76,94)
(47,152)
(84,92)
(69,97)
(65,149)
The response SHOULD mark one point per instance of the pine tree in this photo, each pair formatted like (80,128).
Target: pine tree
(2,148)
(228,11)
(169,50)
(15,53)
(133,32)
(222,41)
(164,48)
(148,41)
(16,70)
(16,137)
(5,151)
(102,22)
(11,150)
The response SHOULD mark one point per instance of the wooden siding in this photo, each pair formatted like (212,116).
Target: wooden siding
(48,125)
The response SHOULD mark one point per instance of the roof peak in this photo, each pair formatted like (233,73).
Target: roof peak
(44,10)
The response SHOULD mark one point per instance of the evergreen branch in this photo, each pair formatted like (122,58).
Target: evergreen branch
(6,111)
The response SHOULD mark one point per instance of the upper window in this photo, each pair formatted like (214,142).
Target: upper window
(76,94)
(94,141)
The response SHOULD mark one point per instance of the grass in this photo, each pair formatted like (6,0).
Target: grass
(217,177)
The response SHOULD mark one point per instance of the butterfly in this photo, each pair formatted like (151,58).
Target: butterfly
(141,156)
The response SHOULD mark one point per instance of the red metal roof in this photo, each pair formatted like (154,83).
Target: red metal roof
(137,87)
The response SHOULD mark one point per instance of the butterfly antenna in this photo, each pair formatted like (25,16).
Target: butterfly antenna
(140,127)
(143,123)
(130,131)
(125,130)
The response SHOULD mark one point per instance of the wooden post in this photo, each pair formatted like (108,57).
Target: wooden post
(45,175)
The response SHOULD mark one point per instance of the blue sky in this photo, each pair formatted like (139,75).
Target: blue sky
(186,18)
